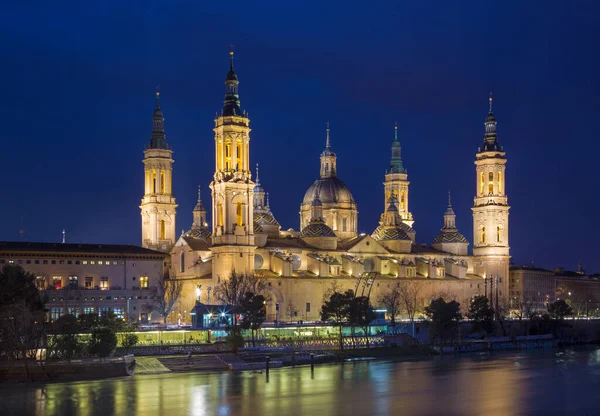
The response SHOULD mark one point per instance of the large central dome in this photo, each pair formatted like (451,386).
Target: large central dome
(331,191)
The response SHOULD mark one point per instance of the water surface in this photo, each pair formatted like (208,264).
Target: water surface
(544,383)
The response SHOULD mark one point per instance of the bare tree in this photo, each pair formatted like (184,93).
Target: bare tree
(334,288)
(166,292)
(409,291)
(291,310)
(232,291)
(392,301)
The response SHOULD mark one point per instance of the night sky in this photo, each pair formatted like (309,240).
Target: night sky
(78,83)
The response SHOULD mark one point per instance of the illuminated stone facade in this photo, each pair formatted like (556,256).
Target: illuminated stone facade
(300,266)
(158,205)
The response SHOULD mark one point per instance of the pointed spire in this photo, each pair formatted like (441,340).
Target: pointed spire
(199,206)
(231,60)
(490,139)
(199,197)
(231,105)
(396,162)
(257,178)
(449,215)
(159,138)
(328,141)
(268,203)
(449,200)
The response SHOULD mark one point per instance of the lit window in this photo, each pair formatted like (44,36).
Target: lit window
(153,181)
(144,282)
(55,313)
(239,156)
(100,262)
(162,230)
(57,282)
(402,200)
(92,262)
(89,282)
(88,310)
(119,313)
(114,263)
(220,215)
(491,183)
(103,311)
(104,283)
(73,280)
(499,182)
(74,312)
(481,183)
(85,262)
(238,214)
(40,282)
(162,181)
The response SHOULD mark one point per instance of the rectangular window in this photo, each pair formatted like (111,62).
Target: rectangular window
(100,262)
(37,262)
(103,311)
(77,262)
(74,312)
(73,281)
(276,307)
(57,282)
(119,313)
(104,283)
(40,282)
(88,310)
(55,313)
(61,262)
(28,261)
(114,263)
(53,261)
(89,282)
(92,262)
(144,282)
(45,261)
(307,307)
(69,261)
(344,224)
(85,262)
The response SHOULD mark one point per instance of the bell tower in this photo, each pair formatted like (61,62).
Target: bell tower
(158,205)
(490,208)
(232,186)
(396,183)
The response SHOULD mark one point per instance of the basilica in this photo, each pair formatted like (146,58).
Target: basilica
(299,266)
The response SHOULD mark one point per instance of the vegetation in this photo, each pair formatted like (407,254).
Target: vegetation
(337,309)
(391,301)
(481,314)
(253,313)
(444,318)
(167,292)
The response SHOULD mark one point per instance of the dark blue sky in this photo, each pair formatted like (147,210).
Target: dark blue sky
(78,82)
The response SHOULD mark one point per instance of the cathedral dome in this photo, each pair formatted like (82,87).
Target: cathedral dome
(202,233)
(317,229)
(331,191)
(450,237)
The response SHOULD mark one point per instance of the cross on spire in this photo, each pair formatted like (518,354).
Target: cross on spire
(490,102)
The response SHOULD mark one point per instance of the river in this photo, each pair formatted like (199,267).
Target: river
(530,383)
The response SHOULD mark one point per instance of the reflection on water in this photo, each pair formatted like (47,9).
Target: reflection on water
(547,383)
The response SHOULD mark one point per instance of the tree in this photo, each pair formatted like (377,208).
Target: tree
(65,342)
(480,312)
(525,307)
(167,292)
(444,317)
(253,313)
(127,335)
(411,301)
(233,291)
(391,300)
(558,311)
(22,310)
(361,313)
(103,341)
(337,309)
(291,310)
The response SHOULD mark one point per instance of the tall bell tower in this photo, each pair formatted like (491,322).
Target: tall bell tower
(396,182)
(490,209)
(232,186)
(158,205)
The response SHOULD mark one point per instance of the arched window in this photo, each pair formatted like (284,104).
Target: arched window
(182,262)
(153,181)
(220,215)
(162,182)
(163,230)
(239,156)
(483,234)
(481,183)
(238,214)
(402,200)
(344,224)
(499,182)
(498,234)
(491,183)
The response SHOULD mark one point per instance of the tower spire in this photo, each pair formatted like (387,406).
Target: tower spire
(199,198)
(396,162)
(328,141)
(231,105)
(491,138)
(449,200)
(159,138)
(257,178)
(328,157)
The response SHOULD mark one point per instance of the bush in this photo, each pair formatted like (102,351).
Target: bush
(102,342)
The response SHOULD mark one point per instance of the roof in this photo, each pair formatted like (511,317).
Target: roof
(196,244)
(286,242)
(25,246)
(332,190)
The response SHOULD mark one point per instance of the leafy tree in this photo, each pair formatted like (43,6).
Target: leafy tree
(22,310)
(65,342)
(444,317)
(337,309)
(480,312)
(127,335)
(361,313)
(167,292)
(253,313)
(392,301)
(559,309)
(103,341)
